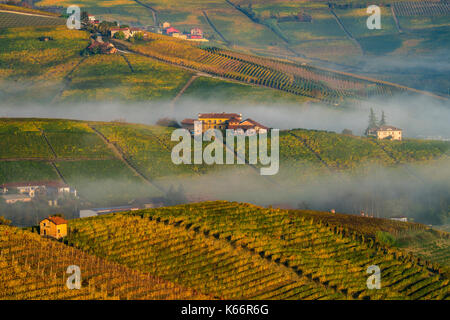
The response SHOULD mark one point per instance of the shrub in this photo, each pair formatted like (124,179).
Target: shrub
(385,238)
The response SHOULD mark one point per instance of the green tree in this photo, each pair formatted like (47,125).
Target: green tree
(139,36)
(372,121)
(119,35)
(383,119)
(84,16)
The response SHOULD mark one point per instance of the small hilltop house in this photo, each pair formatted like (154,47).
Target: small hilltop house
(31,187)
(223,121)
(399,218)
(126,32)
(54,227)
(386,132)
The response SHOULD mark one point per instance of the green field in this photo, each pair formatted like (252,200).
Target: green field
(105,182)
(22,171)
(213,90)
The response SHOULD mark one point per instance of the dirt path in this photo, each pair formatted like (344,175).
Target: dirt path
(154,12)
(180,93)
(397,24)
(307,146)
(128,62)
(48,143)
(211,24)
(349,35)
(67,80)
(121,156)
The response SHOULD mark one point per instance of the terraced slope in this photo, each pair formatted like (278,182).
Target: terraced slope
(32,267)
(325,85)
(232,250)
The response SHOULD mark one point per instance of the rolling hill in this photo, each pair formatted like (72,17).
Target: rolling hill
(222,250)
(335,36)
(113,163)
(34,268)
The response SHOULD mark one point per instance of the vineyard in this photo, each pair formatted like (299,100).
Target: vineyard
(35,268)
(422,8)
(13,20)
(240,251)
(307,81)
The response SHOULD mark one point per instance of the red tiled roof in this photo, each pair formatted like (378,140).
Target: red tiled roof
(383,128)
(119,29)
(240,126)
(56,220)
(255,123)
(54,184)
(219,115)
(188,121)
(172,30)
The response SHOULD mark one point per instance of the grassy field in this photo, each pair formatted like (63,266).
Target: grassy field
(109,78)
(240,251)
(211,89)
(105,182)
(18,171)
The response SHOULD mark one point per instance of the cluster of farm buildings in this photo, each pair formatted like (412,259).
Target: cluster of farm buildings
(26,191)
(195,34)
(223,121)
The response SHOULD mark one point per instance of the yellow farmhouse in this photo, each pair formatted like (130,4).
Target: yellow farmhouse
(55,227)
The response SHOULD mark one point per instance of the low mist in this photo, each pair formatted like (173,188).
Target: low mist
(418,116)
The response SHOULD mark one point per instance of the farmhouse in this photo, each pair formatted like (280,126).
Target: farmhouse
(223,121)
(188,124)
(102,47)
(385,132)
(31,187)
(171,30)
(99,211)
(13,198)
(196,34)
(92,19)
(399,218)
(55,227)
(126,32)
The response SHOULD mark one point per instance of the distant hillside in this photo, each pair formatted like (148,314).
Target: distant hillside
(240,251)
(70,77)
(35,268)
(336,35)
(137,158)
